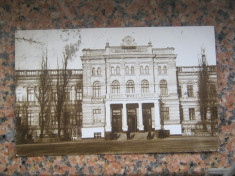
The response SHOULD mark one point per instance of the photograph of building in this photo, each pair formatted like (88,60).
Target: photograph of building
(129,91)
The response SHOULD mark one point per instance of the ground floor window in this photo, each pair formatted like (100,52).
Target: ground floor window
(79,118)
(97,135)
(165,113)
(96,115)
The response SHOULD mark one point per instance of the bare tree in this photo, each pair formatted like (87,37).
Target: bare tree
(43,94)
(62,80)
(203,88)
(207,95)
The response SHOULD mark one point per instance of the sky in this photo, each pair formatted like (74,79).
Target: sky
(31,45)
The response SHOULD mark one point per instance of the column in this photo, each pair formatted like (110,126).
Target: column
(124,118)
(157,115)
(140,124)
(108,117)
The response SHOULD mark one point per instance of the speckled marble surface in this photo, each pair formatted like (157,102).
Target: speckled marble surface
(32,14)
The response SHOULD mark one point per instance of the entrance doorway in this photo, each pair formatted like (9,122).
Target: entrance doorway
(147,116)
(116,118)
(132,118)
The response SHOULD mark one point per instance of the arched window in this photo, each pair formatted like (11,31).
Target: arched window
(96,89)
(165,70)
(93,71)
(130,87)
(163,87)
(112,70)
(118,70)
(132,70)
(141,70)
(127,70)
(144,86)
(159,70)
(99,71)
(115,87)
(146,70)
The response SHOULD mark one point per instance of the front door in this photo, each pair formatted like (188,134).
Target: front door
(147,120)
(116,120)
(132,120)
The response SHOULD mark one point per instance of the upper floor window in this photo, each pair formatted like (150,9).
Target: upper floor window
(118,70)
(30,118)
(93,71)
(141,70)
(191,114)
(144,86)
(159,70)
(180,91)
(96,71)
(79,93)
(213,89)
(132,70)
(115,87)
(127,70)
(30,94)
(99,71)
(112,71)
(130,87)
(146,70)
(96,89)
(67,95)
(163,87)
(164,70)
(79,118)
(190,90)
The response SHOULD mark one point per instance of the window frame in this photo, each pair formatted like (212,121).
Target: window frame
(191,113)
(144,86)
(96,89)
(115,87)
(130,87)
(163,87)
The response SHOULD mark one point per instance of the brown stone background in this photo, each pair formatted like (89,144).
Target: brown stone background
(32,14)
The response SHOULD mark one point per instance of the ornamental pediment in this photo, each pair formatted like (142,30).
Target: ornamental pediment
(128,42)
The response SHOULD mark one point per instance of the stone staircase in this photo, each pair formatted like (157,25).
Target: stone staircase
(121,137)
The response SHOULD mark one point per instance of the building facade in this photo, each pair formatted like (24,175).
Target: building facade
(134,88)
(126,88)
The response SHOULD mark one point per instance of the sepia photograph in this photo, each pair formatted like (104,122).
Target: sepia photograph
(116,91)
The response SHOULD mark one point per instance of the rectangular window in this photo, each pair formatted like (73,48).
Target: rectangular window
(40,118)
(67,95)
(19,95)
(190,90)
(53,119)
(30,119)
(96,111)
(180,91)
(79,118)
(191,114)
(165,113)
(79,93)
(30,94)
(97,135)
(96,115)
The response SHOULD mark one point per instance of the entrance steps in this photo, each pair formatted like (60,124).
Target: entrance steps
(135,136)
(121,137)
(142,135)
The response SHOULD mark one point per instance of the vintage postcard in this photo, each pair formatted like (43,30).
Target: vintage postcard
(116,90)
